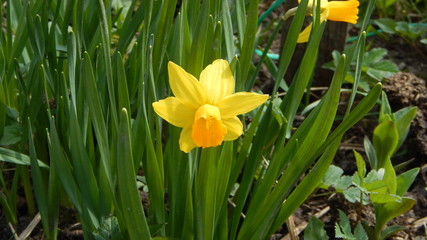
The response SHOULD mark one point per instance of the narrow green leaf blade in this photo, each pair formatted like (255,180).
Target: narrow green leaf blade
(130,201)
(8,155)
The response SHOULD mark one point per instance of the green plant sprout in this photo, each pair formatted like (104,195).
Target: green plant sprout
(380,187)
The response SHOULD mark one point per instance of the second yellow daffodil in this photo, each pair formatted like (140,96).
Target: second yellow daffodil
(207,108)
(340,11)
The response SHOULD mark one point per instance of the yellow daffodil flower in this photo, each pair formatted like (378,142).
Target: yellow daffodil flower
(340,11)
(206,109)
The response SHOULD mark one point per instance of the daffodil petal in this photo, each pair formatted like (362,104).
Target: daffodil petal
(217,80)
(240,103)
(234,128)
(343,11)
(186,143)
(185,86)
(323,3)
(305,34)
(324,14)
(175,112)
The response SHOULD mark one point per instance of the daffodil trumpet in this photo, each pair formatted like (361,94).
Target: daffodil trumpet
(207,108)
(340,11)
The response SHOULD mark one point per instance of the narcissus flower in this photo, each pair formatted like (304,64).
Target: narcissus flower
(340,11)
(206,109)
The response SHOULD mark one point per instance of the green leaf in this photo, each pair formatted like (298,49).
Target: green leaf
(307,186)
(85,177)
(407,30)
(246,145)
(375,185)
(228,31)
(225,163)
(105,48)
(241,19)
(248,45)
(165,17)
(360,163)
(109,229)
(2,63)
(7,155)
(11,135)
(8,200)
(256,147)
(131,24)
(343,183)
(385,110)
(2,112)
(63,167)
(123,91)
(129,197)
(387,211)
(314,230)
(388,3)
(47,198)
(405,180)
(38,183)
(375,55)
(72,61)
(382,196)
(390,230)
(387,25)
(360,233)
(360,52)
(352,194)
(332,176)
(343,228)
(296,91)
(153,169)
(291,42)
(382,70)
(370,152)
(96,114)
(205,197)
(403,119)
(385,141)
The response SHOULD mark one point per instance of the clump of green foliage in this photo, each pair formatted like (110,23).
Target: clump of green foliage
(380,187)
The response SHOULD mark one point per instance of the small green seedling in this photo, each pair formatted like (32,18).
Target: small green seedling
(343,229)
(315,229)
(375,68)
